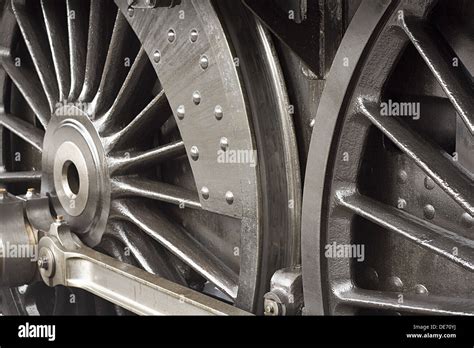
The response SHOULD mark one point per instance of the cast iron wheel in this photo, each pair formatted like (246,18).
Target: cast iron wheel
(133,121)
(401,187)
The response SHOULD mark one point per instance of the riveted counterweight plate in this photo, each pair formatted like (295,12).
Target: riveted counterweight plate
(208,104)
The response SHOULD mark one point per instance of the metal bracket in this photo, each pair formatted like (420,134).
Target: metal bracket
(286,293)
(64,260)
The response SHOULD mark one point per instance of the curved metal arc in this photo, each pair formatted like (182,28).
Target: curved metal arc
(353,45)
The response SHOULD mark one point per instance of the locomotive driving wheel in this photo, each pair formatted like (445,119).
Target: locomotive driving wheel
(161,134)
(388,203)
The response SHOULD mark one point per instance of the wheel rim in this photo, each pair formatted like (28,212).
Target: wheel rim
(386,183)
(98,156)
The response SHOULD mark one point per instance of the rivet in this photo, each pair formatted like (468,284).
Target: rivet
(467,220)
(429,183)
(194,35)
(224,143)
(156,56)
(420,289)
(204,62)
(229,197)
(181,111)
(394,283)
(205,192)
(130,11)
(197,97)
(429,211)
(194,153)
(171,35)
(218,112)
(402,176)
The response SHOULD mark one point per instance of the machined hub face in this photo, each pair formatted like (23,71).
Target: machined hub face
(154,141)
(75,172)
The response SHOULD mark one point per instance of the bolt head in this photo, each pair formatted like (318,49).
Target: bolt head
(171,35)
(194,153)
(197,98)
(205,192)
(229,197)
(218,112)
(204,62)
(156,56)
(181,111)
(193,36)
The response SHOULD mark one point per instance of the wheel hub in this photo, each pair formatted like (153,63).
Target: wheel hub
(75,173)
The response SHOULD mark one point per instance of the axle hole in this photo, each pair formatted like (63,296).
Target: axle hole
(71,181)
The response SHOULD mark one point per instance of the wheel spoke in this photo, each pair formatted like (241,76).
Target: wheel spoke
(456,88)
(179,242)
(14,177)
(442,242)
(144,251)
(77,45)
(58,43)
(412,303)
(431,159)
(115,115)
(24,130)
(114,67)
(36,41)
(30,87)
(135,161)
(152,117)
(125,186)
(95,59)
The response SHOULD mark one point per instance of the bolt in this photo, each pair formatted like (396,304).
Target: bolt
(429,211)
(204,62)
(194,35)
(420,289)
(205,192)
(197,98)
(181,110)
(194,153)
(218,112)
(224,143)
(130,11)
(171,35)
(429,183)
(43,263)
(271,307)
(30,192)
(3,193)
(156,56)
(229,197)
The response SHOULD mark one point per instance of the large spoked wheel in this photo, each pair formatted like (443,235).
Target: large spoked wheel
(162,135)
(388,205)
